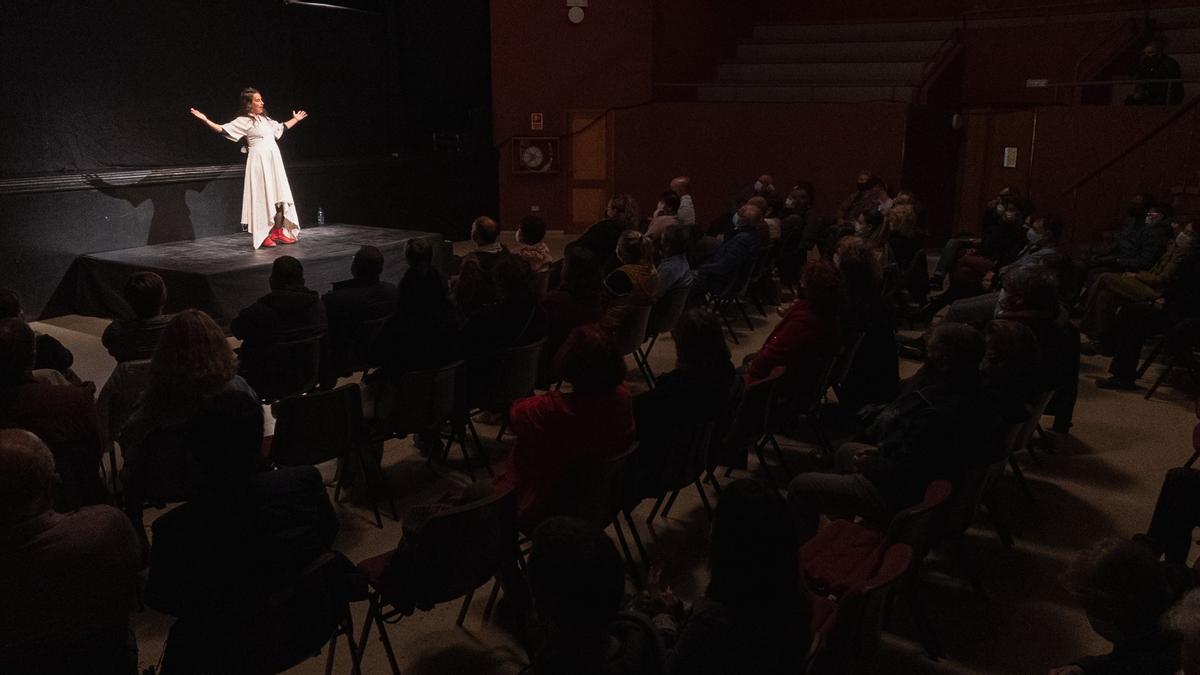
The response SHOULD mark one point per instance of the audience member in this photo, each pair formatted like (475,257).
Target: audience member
(665,216)
(1176,514)
(1138,244)
(754,616)
(557,431)
(418,252)
(1125,593)
(943,423)
(874,373)
(763,186)
(51,354)
(1160,79)
(579,300)
(905,238)
(601,238)
(422,331)
(1001,237)
(695,392)
(135,339)
(1112,290)
(632,285)
(193,363)
(289,312)
(531,246)
(221,557)
(869,195)
(578,584)
(473,287)
(681,185)
(1011,359)
(71,579)
(807,338)
(63,417)
(770,228)
(732,260)
(349,305)
(673,271)
(1183,621)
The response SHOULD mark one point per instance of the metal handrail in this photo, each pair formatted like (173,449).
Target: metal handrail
(1097,83)
(1139,29)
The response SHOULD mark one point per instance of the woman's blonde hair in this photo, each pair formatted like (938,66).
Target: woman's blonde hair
(901,219)
(193,358)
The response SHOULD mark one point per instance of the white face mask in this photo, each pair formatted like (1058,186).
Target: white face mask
(736,219)
(861,229)
(789,203)
(1185,239)
(758,186)
(1033,236)
(1000,208)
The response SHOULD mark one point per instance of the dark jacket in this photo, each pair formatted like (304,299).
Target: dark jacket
(1182,297)
(52,355)
(1001,240)
(875,372)
(733,257)
(1158,93)
(475,287)
(351,303)
(1138,245)
(410,343)
(804,343)
(281,315)
(601,239)
(133,339)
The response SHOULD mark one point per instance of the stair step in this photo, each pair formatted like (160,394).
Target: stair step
(838,52)
(1182,39)
(855,32)
(805,93)
(904,72)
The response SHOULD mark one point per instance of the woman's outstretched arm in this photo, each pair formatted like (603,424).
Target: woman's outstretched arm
(207,122)
(297,115)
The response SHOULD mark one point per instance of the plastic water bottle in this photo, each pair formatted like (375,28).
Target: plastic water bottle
(320,216)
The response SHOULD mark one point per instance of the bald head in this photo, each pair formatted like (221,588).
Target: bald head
(27,477)
(749,215)
(680,185)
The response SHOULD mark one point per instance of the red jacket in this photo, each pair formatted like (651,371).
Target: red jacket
(804,343)
(556,431)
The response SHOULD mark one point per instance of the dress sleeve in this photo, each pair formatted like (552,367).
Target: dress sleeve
(236,129)
(277,128)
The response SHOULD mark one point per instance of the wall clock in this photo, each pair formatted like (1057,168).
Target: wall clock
(535,155)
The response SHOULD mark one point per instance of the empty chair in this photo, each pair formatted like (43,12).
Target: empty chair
(663,315)
(751,427)
(630,334)
(350,354)
(458,551)
(733,295)
(513,377)
(288,368)
(684,462)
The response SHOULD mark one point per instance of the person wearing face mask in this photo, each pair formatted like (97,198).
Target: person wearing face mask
(665,216)
(763,186)
(1155,73)
(1140,242)
(733,257)
(1113,290)
(1001,237)
(681,186)
(869,194)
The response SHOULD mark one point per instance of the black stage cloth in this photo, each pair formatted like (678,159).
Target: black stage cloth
(221,275)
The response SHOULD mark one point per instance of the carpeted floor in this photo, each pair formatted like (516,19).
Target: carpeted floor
(1101,481)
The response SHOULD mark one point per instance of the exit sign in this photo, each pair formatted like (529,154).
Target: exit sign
(536,122)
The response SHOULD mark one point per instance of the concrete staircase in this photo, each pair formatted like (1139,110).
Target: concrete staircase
(831,63)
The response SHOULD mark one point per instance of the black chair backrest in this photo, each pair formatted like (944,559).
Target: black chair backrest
(317,427)
(594,490)
(355,353)
(463,547)
(752,415)
(685,456)
(516,374)
(168,471)
(286,368)
(844,362)
(630,335)
(422,400)
(119,396)
(667,310)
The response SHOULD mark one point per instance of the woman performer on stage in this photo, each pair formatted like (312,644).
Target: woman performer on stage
(268,211)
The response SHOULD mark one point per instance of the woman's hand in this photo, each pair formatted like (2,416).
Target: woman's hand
(199,115)
(299,115)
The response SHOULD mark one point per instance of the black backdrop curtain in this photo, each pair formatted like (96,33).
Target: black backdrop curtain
(106,84)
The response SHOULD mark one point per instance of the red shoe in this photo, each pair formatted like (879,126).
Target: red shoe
(267,243)
(281,236)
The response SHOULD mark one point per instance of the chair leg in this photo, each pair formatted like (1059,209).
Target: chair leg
(712,480)
(742,308)
(492,597)
(1151,358)
(372,495)
(704,499)
(1020,476)
(779,454)
(925,630)
(329,654)
(633,570)
(466,604)
(650,345)
(645,360)
(372,610)
(487,463)
(967,562)
(1162,376)
(654,510)
(346,628)
(637,539)
(670,502)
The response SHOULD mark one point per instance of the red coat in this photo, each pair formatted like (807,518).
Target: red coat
(804,343)
(556,431)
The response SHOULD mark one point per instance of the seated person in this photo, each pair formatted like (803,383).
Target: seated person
(620,214)
(1000,240)
(51,355)
(422,331)
(71,579)
(665,216)
(64,418)
(557,431)
(1141,241)
(1125,593)
(1011,359)
(578,584)
(531,246)
(193,363)
(942,424)
(905,238)
(673,271)
(135,339)
(875,372)
(632,285)
(770,228)
(1176,310)
(807,338)
(755,614)
(1113,290)
(1176,514)
(732,260)
(1160,79)
(219,558)
(289,312)
(352,302)
(687,207)
(871,227)
(473,287)
(697,391)
(869,195)
(576,301)
(1183,621)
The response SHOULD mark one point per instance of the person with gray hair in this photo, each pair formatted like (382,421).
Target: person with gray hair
(70,578)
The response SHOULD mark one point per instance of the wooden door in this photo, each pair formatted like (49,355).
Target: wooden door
(589,178)
(983,170)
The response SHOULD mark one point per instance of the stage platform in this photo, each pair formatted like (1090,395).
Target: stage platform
(221,275)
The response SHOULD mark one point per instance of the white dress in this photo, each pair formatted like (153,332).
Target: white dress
(266,183)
